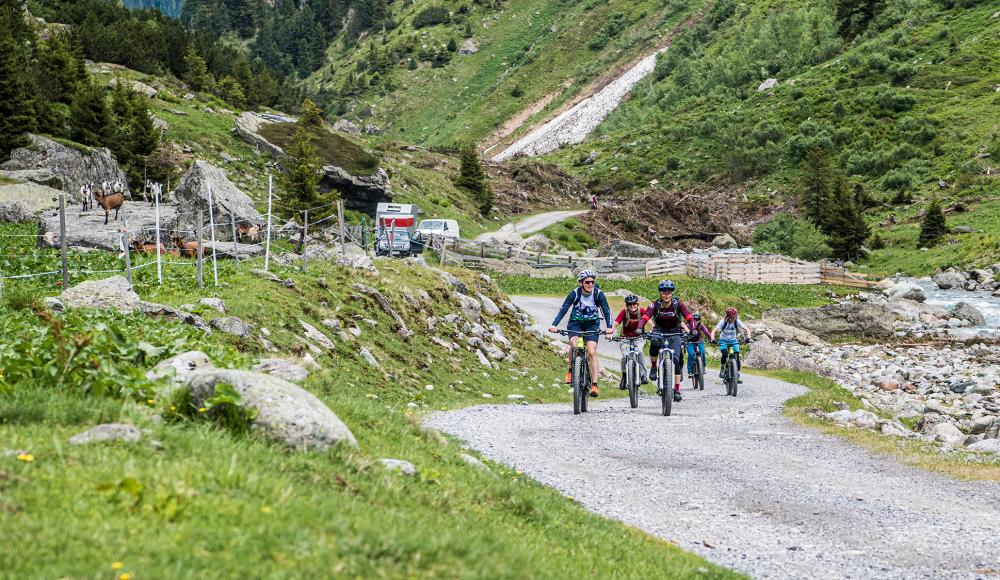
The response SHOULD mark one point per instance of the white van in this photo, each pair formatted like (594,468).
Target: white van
(439,227)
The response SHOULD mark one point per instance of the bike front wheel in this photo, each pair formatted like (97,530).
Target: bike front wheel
(733,377)
(632,382)
(579,397)
(666,386)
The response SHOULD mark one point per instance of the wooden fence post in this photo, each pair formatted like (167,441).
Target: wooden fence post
(482,249)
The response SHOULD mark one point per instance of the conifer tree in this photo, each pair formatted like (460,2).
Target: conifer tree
(846,226)
(196,71)
(310,116)
(817,186)
(90,119)
(472,178)
(17,116)
(933,227)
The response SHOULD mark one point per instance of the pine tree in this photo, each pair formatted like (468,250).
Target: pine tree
(231,90)
(310,116)
(90,119)
(468,29)
(196,71)
(472,178)
(846,226)
(817,187)
(933,227)
(452,45)
(17,116)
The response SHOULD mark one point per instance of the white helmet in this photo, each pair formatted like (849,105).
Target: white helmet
(585,274)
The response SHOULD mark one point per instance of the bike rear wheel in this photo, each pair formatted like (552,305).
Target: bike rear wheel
(585,385)
(578,377)
(666,385)
(699,373)
(632,381)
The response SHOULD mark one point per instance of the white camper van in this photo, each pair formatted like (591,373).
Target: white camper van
(438,227)
(395,224)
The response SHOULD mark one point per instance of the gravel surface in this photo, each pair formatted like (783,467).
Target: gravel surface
(512,232)
(736,482)
(576,123)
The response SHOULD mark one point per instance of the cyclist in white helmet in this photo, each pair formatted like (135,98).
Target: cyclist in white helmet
(587,303)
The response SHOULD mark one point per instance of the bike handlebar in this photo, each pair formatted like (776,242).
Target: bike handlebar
(579,332)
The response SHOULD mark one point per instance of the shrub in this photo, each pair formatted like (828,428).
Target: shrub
(612,28)
(517,92)
(430,16)
(891,100)
(766,131)
(791,236)
(933,227)
(897,180)
(21,298)
(899,73)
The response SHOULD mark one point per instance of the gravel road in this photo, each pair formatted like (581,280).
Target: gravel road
(529,225)
(733,480)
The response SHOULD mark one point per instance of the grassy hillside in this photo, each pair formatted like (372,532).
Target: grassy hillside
(193,498)
(898,103)
(407,81)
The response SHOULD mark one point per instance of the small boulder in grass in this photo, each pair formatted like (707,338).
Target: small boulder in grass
(399,465)
(107,432)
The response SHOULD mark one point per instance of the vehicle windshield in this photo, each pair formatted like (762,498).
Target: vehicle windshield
(400,236)
(432,225)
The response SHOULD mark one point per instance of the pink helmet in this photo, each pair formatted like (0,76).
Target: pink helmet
(731,312)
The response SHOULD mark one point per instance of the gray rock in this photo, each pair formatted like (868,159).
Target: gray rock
(483,359)
(232,325)
(767,85)
(139,87)
(363,192)
(88,230)
(537,243)
(764,354)
(468,47)
(21,202)
(966,311)
(313,333)
(286,413)
(399,465)
(73,167)
(107,432)
(372,129)
(780,332)
(192,194)
(551,273)
(725,242)
(452,282)
(265,275)
(626,249)
(114,292)
(163,311)
(907,291)
(947,433)
(949,279)
(215,303)
(15,212)
(53,304)
(248,127)
(283,369)
(986,446)
(471,308)
(179,367)
(476,463)
(846,319)
(42,177)
(859,418)
(229,250)
(369,358)
(345,126)
(618,277)
(962,230)
(489,306)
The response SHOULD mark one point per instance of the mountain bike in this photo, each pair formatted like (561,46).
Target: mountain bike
(698,372)
(731,370)
(631,350)
(580,371)
(665,370)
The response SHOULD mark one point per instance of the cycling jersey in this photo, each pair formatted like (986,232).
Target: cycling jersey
(701,330)
(630,327)
(729,329)
(666,317)
(585,308)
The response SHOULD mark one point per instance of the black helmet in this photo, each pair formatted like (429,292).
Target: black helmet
(631,299)
(667,286)
(696,316)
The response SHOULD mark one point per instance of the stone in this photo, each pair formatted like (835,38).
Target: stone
(160,124)
(551,273)
(53,304)
(483,359)
(847,319)
(476,463)
(471,308)
(265,275)
(981,275)
(966,311)
(286,413)
(345,126)
(783,333)
(906,291)
(72,167)
(360,192)
(283,369)
(229,250)
(986,446)
(626,249)
(107,432)
(401,328)
(515,397)
(192,194)
(215,303)
(114,292)
(468,47)
(488,305)
(766,355)
(767,85)
(42,177)
(15,212)
(949,279)
(859,418)
(725,242)
(164,311)
(179,367)
(947,433)
(399,466)
(369,358)
(313,333)
(139,87)
(618,277)
(232,325)
(452,282)
(537,243)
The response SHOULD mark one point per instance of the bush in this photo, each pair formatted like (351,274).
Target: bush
(612,28)
(933,227)
(766,131)
(897,180)
(791,236)
(430,16)
(21,298)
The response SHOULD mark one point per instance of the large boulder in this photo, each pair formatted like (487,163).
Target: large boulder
(21,201)
(950,278)
(286,413)
(73,166)
(114,292)
(88,230)
(15,212)
(725,242)
(626,249)
(781,332)
(248,126)
(192,194)
(360,192)
(848,319)
(966,311)
(764,354)
(906,291)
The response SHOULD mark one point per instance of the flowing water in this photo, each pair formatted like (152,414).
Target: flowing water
(981,300)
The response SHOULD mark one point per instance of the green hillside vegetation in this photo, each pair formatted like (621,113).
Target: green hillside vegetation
(197,497)
(411,81)
(333,148)
(897,102)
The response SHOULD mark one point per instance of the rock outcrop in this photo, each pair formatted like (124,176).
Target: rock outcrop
(848,319)
(627,249)
(192,194)
(360,192)
(71,166)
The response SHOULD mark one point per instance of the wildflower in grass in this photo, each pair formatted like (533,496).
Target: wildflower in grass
(265,509)
(150,401)
(125,576)
(25,457)
(117,565)
(173,408)
(202,410)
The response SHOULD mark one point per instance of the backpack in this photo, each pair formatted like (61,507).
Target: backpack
(674,302)
(579,296)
